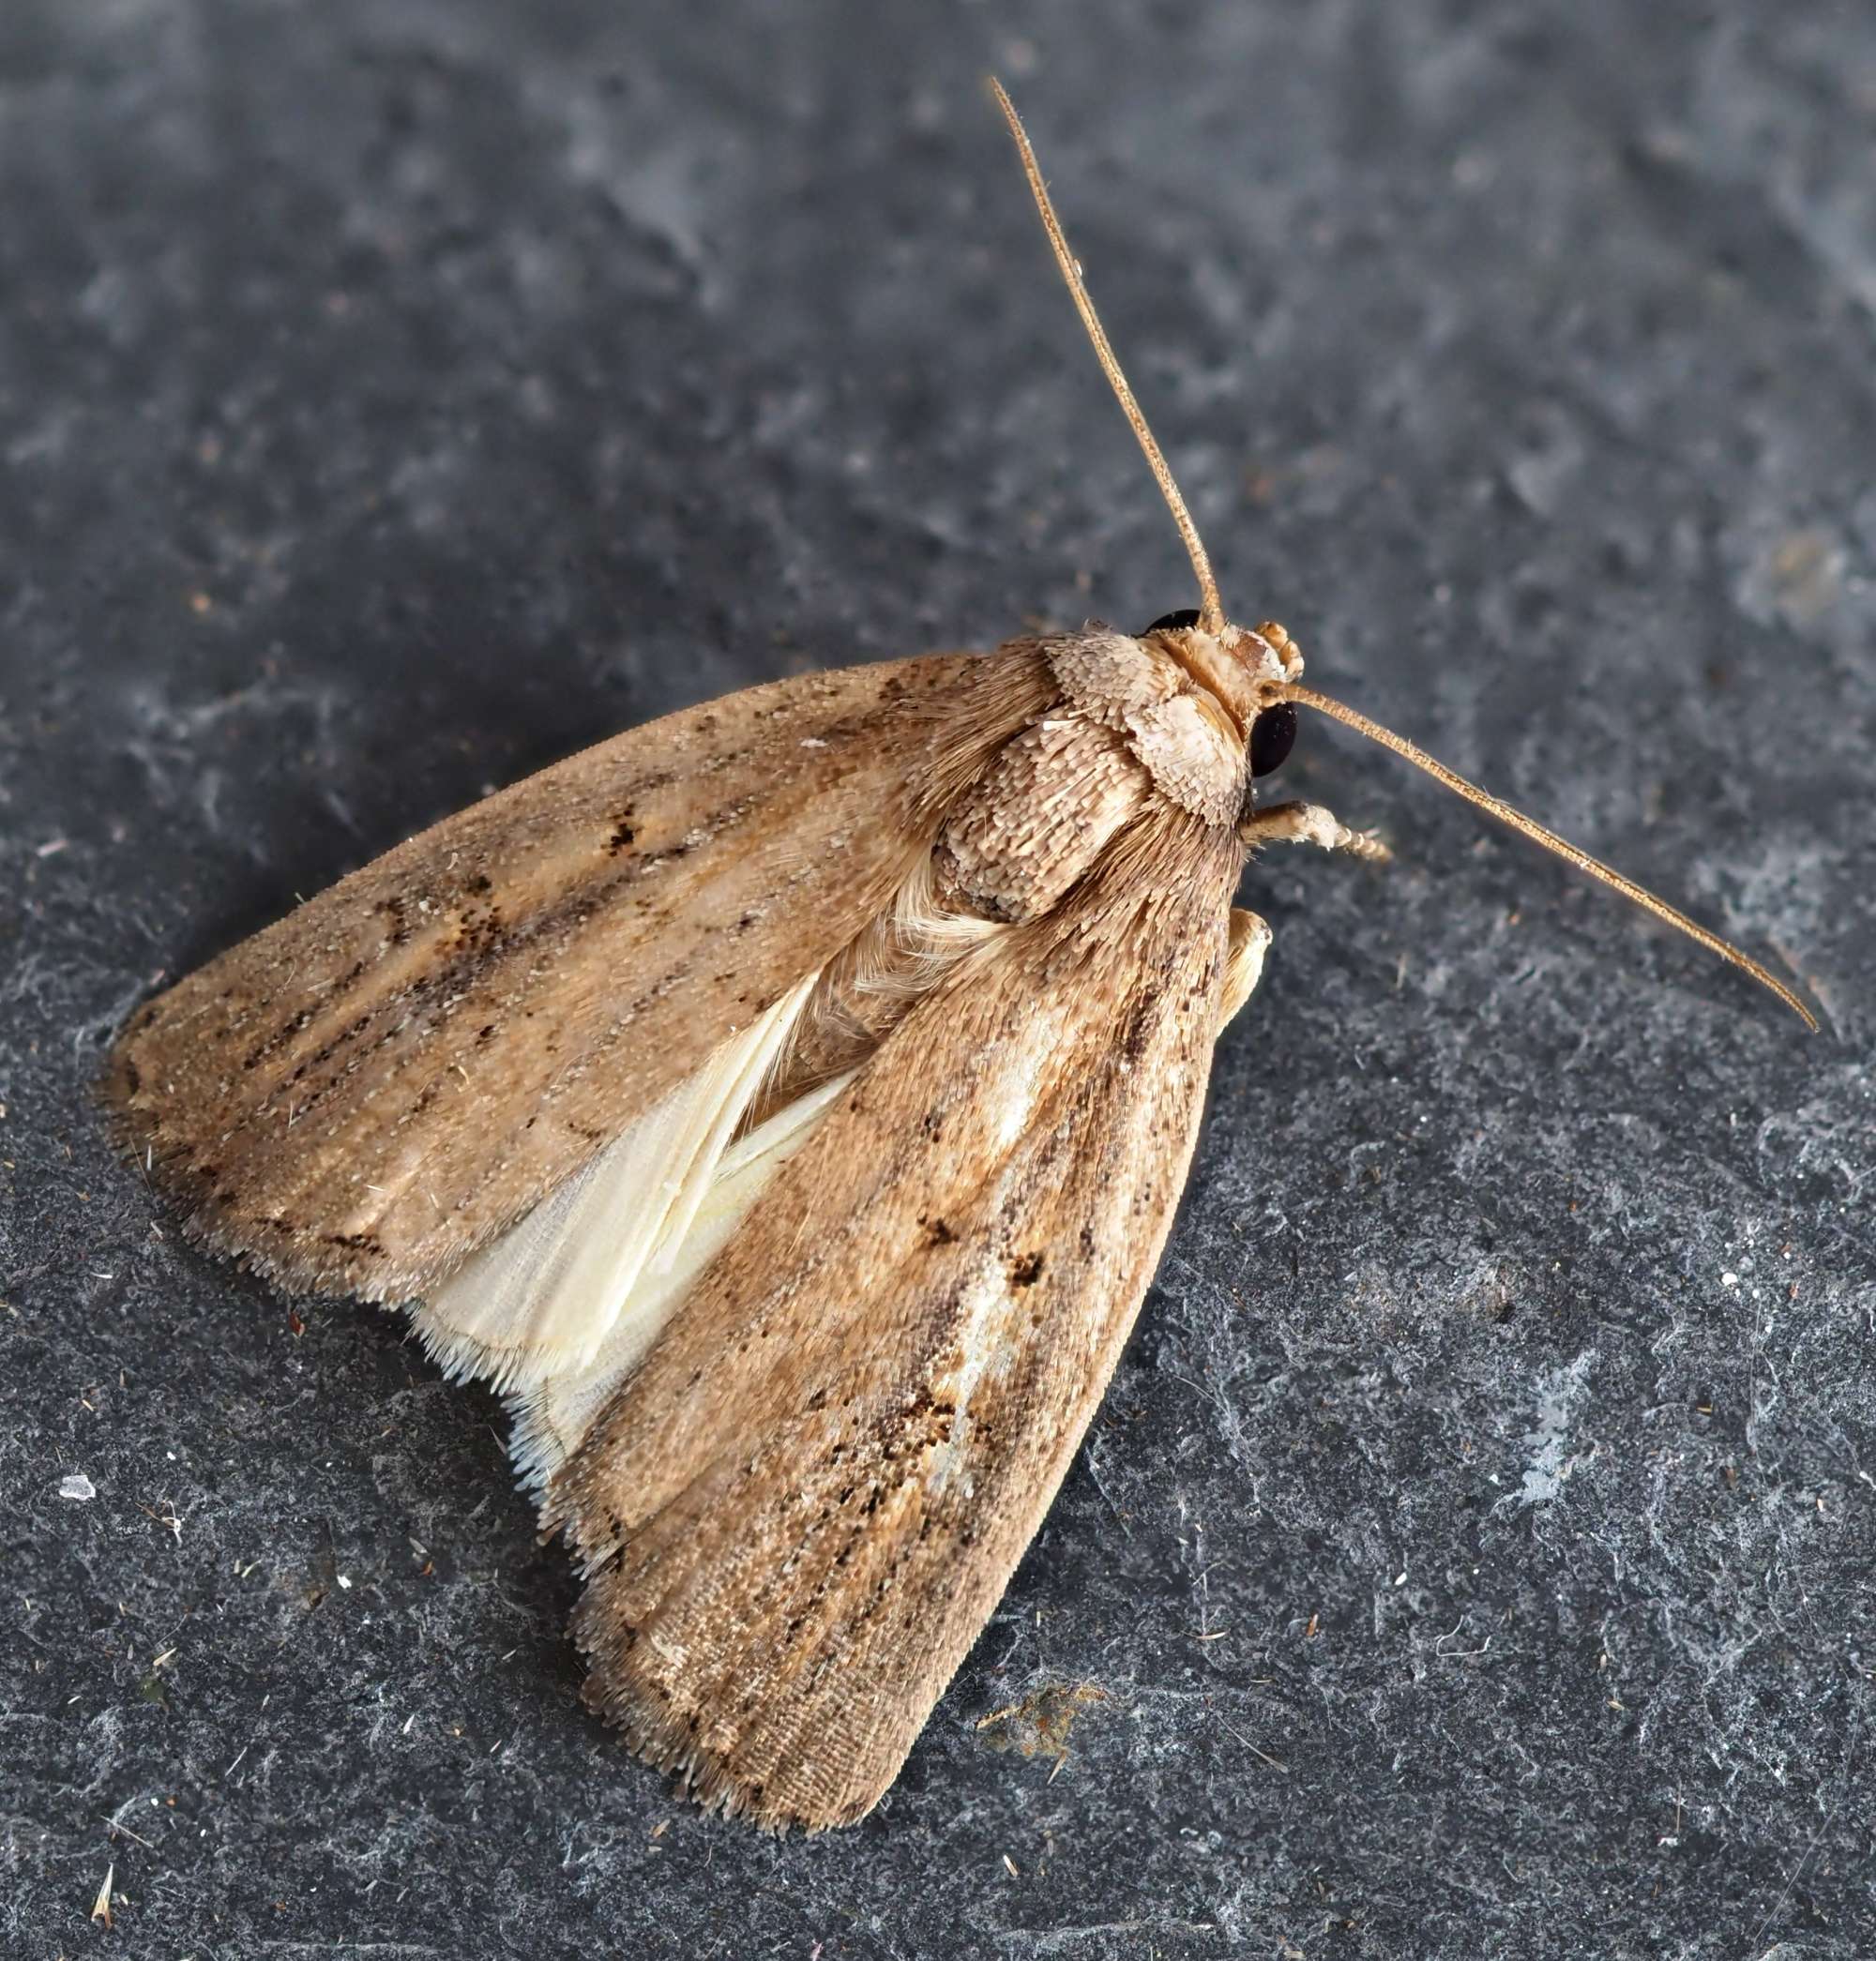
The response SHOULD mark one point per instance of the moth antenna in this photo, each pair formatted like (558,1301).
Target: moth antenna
(1211,608)
(1609,876)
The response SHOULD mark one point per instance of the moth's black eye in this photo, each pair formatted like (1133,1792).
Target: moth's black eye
(1271,735)
(1186,616)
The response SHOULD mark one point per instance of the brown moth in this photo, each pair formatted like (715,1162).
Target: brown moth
(784,1104)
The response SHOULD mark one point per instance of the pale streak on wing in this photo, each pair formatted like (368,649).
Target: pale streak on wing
(601,1263)
(541,1299)
(553,1411)
(359,1096)
(798,1512)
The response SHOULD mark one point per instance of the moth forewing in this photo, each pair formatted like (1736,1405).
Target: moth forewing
(358,1096)
(798,1512)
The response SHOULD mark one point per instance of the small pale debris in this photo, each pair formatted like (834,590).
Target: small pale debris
(1010,1866)
(345,1581)
(77,1486)
(51,848)
(1729,1279)
(1040,1723)
(101,1907)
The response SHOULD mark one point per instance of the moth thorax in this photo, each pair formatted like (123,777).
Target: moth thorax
(1040,815)
(1168,703)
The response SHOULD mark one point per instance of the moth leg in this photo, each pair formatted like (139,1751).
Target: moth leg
(1244,962)
(1309,823)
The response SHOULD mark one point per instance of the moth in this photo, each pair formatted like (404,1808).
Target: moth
(783,1104)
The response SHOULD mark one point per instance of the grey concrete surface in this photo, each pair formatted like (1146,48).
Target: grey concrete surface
(1473,1556)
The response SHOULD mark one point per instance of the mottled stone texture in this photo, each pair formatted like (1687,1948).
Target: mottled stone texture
(1474,1555)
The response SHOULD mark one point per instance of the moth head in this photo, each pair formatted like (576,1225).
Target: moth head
(1244,668)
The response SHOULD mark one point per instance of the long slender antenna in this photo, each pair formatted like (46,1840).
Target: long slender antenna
(1211,609)
(1549,839)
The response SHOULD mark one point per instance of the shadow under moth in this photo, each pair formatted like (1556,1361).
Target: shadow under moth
(783,1104)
